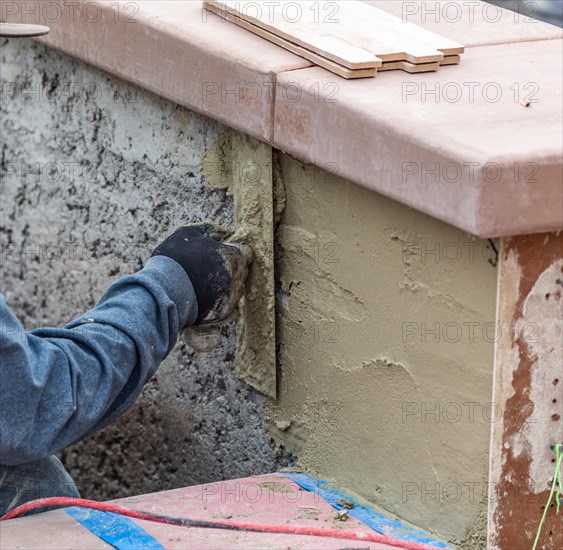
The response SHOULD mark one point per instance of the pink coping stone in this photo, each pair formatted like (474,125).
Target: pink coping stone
(270,499)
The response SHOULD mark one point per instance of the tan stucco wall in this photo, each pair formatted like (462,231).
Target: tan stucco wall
(363,282)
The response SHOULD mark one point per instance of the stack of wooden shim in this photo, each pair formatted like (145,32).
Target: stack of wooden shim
(349,38)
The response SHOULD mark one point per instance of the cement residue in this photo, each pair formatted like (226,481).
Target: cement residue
(475,537)
(280,195)
(217,165)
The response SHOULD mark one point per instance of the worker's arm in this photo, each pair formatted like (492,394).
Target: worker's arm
(58,385)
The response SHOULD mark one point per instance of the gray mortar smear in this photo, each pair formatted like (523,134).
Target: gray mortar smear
(118,171)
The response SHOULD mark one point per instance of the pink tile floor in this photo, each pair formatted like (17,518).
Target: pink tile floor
(268,499)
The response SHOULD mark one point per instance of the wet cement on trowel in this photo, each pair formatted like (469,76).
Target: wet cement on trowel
(243,165)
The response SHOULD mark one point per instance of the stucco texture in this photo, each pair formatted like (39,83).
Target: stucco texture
(94,173)
(385,317)
(386,334)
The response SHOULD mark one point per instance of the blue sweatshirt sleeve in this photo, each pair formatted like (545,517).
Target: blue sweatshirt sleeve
(59,385)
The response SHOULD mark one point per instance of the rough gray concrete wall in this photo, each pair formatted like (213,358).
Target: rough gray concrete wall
(94,173)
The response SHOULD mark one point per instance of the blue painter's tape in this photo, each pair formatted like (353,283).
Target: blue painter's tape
(378,522)
(117,530)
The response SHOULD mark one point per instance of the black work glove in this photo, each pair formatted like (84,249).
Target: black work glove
(217,271)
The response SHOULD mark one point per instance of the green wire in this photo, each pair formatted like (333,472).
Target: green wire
(556,483)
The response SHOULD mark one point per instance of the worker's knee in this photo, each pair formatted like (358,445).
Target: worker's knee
(41,479)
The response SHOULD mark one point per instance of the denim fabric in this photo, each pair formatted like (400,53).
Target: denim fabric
(60,385)
(41,479)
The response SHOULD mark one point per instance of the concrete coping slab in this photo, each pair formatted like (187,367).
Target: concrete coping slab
(476,145)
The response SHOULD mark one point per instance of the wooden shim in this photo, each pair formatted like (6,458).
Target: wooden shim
(343,53)
(373,27)
(330,47)
(451,60)
(377,38)
(384,42)
(372,15)
(410,67)
(294,48)
(414,68)
(327,51)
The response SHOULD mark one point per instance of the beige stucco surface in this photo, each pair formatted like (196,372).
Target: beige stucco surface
(364,281)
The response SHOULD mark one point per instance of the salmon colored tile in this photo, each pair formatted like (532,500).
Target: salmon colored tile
(457,144)
(268,499)
(49,531)
(470,22)
(174,49)
(366,130)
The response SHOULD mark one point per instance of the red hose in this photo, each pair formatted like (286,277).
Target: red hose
(250,527)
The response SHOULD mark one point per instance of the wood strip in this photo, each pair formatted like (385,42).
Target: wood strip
(451,60)
(372,15)
(343,53)
(379,37)
(294,48)
(391,47)
(303,34)
(330,52)
(374,36)
(412,68)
